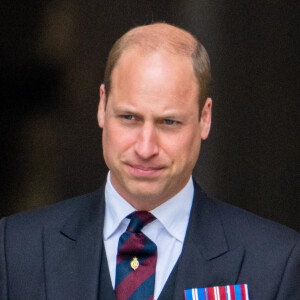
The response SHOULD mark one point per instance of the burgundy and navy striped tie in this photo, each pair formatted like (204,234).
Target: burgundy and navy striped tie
(136,260)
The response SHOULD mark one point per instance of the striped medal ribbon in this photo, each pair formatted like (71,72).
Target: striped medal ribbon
(228,292)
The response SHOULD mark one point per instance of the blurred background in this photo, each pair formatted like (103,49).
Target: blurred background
(53,55)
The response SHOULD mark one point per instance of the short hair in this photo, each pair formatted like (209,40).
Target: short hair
(163,36)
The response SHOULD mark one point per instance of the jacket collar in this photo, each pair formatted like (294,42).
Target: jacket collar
(73,252)
(206,259)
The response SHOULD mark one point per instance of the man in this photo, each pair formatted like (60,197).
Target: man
(154,112)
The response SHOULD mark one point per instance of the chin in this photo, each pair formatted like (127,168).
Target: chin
(146,192)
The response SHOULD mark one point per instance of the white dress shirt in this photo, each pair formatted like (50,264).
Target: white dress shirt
(167,231)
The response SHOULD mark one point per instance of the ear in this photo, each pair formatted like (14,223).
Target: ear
(205,120)
(101,106)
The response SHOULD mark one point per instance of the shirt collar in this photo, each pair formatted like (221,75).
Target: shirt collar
(116,209)
(172,214)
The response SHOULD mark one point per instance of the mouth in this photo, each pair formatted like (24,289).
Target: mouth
(142,171)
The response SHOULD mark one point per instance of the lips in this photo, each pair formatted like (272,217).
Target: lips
(145,168)
(143,171)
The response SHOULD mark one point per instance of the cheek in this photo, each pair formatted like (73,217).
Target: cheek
(117,138)
(181,145)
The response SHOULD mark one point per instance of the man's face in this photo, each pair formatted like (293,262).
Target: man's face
(151,128)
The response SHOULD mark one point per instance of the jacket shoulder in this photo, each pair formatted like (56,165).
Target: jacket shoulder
(240,224)
(53,215)
(241,227)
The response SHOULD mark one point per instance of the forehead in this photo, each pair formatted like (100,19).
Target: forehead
(153,72)
(154,84)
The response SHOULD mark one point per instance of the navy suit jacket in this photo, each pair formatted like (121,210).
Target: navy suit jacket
(57,253)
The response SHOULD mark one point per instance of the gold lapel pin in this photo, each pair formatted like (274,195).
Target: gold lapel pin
(134,264)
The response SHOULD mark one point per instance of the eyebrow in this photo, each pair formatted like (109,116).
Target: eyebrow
(132,111)
(125,111)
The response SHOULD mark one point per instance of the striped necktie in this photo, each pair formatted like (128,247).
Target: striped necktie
(136,260)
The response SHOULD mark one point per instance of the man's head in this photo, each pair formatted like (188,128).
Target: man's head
(149,113)
(161,36)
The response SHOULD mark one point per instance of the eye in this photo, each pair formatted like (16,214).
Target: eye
(169,122)
(128,117)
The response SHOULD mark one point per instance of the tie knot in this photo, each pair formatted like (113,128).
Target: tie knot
(138,220)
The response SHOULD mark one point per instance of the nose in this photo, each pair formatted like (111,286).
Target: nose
(146,145)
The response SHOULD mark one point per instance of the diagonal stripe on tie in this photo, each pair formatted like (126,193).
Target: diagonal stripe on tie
(144,290)
(132,244)
(136,281)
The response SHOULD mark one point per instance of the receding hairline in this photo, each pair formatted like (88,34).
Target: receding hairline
(160,36)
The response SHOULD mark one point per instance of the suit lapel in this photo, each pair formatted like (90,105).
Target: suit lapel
(105,287)
(206,258)
(73,252)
